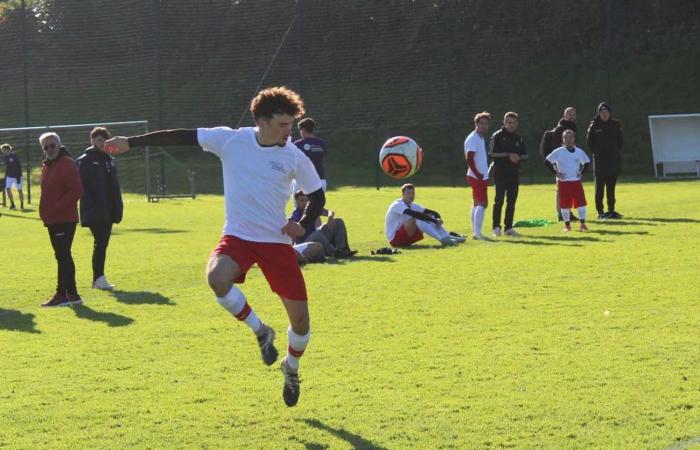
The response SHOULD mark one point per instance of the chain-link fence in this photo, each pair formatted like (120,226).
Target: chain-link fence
(367,69)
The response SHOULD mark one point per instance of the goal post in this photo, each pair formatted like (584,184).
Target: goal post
(675,144)
(76,138)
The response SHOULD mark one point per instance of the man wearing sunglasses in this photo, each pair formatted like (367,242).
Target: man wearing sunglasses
(58,208)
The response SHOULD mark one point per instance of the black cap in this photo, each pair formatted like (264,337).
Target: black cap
(604,107)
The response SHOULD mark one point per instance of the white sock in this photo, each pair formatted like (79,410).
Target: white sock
(433,230)
(582,212)
(478,220)
(566,214)
(236,303)
(296,347)
(472,216)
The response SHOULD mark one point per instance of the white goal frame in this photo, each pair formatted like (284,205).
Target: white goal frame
(87,126)
(675,144)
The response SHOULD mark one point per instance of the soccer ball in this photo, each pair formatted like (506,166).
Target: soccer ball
(400,157)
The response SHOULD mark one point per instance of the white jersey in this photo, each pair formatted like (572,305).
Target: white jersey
(395,217)
(569,163)
(257,181)
(476,143)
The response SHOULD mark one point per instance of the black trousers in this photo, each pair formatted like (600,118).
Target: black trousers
(605,184)
(101,232)
(61,235)
(505,188)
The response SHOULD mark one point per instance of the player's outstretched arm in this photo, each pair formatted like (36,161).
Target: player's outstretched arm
(163,138)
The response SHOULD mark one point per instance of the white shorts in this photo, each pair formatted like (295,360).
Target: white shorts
(16,182)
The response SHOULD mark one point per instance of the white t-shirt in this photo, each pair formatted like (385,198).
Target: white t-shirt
(395,217)
(569,163)
(475,143)
(257,181)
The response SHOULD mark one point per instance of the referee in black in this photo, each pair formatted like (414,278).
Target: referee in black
(506,149)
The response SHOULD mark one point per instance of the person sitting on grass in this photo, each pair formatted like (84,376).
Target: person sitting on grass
(333,235)
(406,221)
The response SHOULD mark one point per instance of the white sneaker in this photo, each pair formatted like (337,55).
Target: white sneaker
(497,231)
(511,232)
(103,284)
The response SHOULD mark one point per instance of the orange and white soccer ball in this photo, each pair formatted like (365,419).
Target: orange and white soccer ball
(400,157)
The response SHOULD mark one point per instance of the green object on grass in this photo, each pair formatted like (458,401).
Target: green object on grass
(531,223)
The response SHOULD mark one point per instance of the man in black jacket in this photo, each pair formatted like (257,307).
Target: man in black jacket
(552,139)
(101,204)
(506,150)
(605,142)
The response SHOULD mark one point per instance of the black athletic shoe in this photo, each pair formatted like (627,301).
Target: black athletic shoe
(266,342)
(292,389)
(13,207)
(614,215)
(559,217)
(602,215)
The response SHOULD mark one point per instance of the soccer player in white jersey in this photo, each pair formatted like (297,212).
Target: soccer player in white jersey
(406,221)
(478,173)
(568,163)
(259,164)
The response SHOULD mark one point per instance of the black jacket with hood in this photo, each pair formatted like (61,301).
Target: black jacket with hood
(604,141)
(102,197)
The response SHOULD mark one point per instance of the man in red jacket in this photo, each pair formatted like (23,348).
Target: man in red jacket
(58,208)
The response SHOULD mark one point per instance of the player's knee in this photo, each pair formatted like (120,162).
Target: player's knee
(218,283)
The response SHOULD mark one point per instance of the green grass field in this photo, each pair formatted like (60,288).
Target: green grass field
(547,341)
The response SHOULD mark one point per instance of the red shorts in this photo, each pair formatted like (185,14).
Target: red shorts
(402,239)
(571,194)
(278,263)
(478,190)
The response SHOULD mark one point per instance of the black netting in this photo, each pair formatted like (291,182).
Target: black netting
(367,70)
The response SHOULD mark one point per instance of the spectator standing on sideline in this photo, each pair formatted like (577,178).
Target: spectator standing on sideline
(506,149)
(313,147)
(478,172)
(58,208)
(552,139)
(568,163)
(13,175)
(101,204)
(605,142)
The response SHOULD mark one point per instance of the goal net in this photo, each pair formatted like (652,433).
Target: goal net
(675,144)
(153,171)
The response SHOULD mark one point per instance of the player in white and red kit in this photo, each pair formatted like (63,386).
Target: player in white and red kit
(406,221)
(478,172)
(568,163)
(259,164)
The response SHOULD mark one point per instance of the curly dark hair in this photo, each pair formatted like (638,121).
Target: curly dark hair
(277,100)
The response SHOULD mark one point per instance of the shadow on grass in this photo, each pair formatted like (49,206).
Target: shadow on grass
(140,298)
(13,320)
(572,236)
(149,230)
(533,241)
(355,440)
(19,216)
(618,233)
(111,319)
(358,258)
(666,219)
(616,222)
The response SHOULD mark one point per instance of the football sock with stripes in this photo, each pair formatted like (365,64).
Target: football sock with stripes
(296,346)
(236,303)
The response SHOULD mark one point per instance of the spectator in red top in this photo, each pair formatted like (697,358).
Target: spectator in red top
(58,208)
